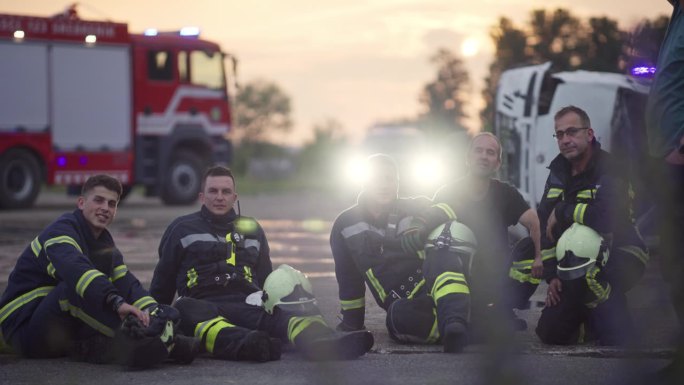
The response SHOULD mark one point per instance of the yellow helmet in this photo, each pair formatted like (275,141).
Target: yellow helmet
(287,287)
(578,249)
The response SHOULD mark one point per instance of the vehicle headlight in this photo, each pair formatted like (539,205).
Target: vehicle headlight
(427,170)
(355,171)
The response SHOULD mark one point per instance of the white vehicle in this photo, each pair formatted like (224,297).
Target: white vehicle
(526,101)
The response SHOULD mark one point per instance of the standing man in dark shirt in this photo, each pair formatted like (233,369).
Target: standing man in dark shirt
(666,137)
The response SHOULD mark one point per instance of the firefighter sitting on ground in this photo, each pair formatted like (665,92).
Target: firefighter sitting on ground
(218,262)
(70,291)
(502,279)
(426,293)
(592,251)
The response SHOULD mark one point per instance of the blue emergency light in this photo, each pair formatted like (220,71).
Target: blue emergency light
(643,71)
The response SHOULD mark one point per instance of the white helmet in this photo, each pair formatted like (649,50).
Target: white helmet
(287,287)
(578,249)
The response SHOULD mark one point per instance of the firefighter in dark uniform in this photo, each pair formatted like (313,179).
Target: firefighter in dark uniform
(218,262)
(365,246)
(425,292)
(585,187)
(503,279)
(70,290)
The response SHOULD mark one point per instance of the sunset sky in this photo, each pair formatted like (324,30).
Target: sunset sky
(354,61)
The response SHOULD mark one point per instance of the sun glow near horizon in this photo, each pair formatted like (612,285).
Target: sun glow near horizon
(470,47)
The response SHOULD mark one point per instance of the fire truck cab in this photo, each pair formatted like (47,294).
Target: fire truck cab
(86,97)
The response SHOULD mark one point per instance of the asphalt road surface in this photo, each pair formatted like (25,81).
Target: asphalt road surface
(297,226)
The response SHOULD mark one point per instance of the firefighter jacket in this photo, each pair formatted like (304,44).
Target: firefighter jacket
(599,197)
(204,255)
(67,252)
(367,250)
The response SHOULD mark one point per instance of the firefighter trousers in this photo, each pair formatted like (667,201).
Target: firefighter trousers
(417,319)
(60,320)
(594,306)
(223,322)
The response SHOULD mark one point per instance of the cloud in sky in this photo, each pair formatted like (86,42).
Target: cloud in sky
(355,61)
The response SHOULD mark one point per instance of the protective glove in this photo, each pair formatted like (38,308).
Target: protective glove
(133,327)
(159,315)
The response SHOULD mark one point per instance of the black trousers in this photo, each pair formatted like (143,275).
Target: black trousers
(415,320)
(61,319)
(609,322)
(221,323)
(670,207)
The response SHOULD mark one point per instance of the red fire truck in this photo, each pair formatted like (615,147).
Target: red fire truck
(78,98)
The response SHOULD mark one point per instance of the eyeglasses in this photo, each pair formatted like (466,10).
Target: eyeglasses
(570,131)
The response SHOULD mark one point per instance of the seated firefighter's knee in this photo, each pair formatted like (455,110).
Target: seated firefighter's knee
(450,247)
(193,311)
(412,320)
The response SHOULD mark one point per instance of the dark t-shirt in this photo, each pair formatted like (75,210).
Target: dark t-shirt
(488,218)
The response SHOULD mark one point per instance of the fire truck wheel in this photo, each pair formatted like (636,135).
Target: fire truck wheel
(20,179)
(183,179)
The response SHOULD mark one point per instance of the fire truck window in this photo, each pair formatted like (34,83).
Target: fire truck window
(548,89)
(183,67)
(512,157)
(159,65)
(206,69)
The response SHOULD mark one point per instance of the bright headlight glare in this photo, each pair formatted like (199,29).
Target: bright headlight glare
(355,171)
(427,170)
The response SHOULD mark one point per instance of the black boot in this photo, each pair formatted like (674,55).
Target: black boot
(96,349)
(139,347)
(275,346)
(185,349)
(452,312)
(319,343)
(258,346)
(516,324)
(455,337)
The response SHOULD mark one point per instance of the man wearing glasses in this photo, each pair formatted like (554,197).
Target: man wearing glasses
(585,188)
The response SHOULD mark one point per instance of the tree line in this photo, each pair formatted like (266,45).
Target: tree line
(570,42)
